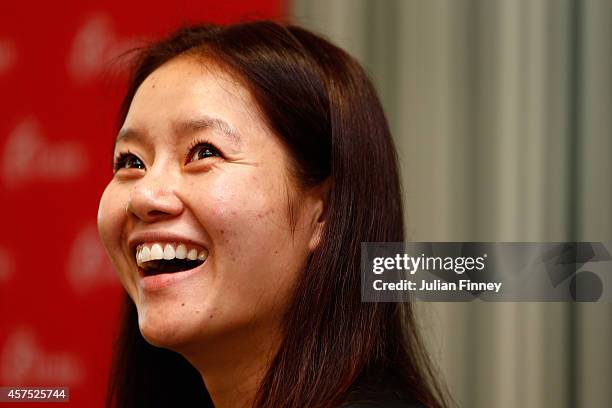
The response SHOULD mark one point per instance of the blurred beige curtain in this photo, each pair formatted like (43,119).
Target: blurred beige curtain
(502,114)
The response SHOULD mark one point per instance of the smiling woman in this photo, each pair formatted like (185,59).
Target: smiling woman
(251,162)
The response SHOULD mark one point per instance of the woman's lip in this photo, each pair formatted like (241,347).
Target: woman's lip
(164,280)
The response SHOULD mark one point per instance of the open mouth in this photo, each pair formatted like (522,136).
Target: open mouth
(157,258)
(169,266)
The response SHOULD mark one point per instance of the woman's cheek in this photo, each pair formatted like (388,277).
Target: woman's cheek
(111,219)
(242,215)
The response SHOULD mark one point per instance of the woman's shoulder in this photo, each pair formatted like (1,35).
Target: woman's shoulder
(382,400)
(384,404)
(386,391)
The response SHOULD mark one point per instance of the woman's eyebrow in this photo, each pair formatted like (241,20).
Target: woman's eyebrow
(207,122)
(187,126)
(126,133)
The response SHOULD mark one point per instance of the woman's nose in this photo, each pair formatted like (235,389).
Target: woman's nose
(151,200)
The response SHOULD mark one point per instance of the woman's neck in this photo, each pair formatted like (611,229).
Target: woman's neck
(233,367)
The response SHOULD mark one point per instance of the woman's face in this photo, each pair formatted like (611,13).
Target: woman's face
(200,175)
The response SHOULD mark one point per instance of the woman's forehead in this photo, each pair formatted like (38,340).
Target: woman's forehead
(202,75)
(187,82)
(180,95)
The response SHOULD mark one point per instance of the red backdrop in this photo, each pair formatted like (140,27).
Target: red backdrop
(59,296)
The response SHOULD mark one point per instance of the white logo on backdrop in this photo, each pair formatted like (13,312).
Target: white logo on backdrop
(8,55)
(28,156)
(88,265)
(95,47)
(23,360)
(7,265)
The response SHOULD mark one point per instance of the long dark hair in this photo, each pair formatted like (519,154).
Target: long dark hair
(322,106)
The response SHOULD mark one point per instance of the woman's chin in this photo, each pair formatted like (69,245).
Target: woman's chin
(165,334)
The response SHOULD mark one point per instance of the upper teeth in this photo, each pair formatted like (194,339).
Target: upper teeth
(154,251)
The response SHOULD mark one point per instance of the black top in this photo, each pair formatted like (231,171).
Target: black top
(383,405)
(382,400)
(385,391)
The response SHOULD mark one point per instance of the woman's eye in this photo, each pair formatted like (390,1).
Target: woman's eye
(128,161)
(202,151)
